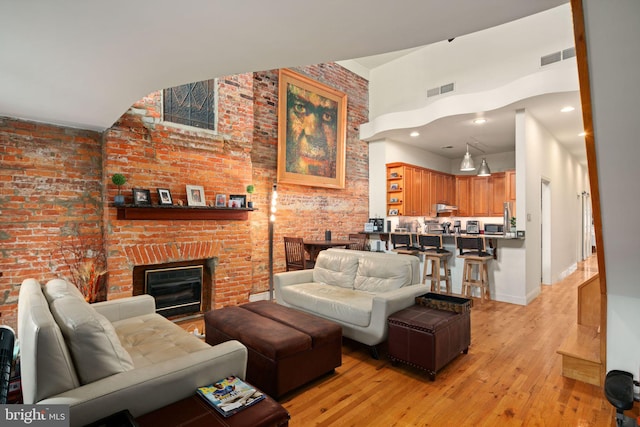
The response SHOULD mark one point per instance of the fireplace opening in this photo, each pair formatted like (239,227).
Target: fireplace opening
(176,290)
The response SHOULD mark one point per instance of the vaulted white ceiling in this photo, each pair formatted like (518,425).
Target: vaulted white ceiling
(83,63)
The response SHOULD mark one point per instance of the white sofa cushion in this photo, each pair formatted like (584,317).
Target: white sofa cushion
(376,276)
(58,288)
(42,348)
(335,269)
(91,338)
(151,339)
(332,302)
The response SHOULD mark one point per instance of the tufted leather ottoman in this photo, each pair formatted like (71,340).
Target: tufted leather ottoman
(428,338)
(287,348)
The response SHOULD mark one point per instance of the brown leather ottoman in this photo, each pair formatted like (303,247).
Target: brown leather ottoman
(287,348)
(195,412)
(428,338)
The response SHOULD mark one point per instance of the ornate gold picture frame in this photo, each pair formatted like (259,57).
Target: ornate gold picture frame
(312,120)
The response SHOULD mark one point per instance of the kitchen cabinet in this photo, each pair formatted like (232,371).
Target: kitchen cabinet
(480,196)
(449,189)
(497,193)
(395,190)
(428,193)
(510,185)
(414,191)
(413,196)
(463,195)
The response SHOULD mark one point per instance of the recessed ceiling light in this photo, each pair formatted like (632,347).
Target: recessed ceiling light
(480,120)
(567,109)
(414,134)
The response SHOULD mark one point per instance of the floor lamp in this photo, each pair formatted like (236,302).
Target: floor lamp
(272,220)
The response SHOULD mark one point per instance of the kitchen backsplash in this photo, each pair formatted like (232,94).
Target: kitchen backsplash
(416,224)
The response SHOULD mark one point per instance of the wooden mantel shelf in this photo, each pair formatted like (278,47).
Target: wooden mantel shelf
(132,212)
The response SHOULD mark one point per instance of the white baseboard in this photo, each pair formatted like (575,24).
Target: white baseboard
(262,296)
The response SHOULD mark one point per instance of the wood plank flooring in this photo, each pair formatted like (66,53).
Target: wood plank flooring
(512,376)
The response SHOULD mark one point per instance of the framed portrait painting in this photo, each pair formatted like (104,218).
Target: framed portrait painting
(312,125)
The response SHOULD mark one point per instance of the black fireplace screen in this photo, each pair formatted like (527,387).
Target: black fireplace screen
(177,291)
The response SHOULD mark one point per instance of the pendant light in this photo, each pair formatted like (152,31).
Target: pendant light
(484,170)
(467,162)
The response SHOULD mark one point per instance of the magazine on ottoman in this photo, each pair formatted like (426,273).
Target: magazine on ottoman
(230,395)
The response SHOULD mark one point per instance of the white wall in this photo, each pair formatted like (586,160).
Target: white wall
(612,34)
(474,62)
(547,159)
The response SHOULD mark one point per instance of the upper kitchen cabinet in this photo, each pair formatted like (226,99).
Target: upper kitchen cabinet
(485,196)
(479,196)
(413,195)
(497,193)
(510,178)
(442,190)
(414,191)
(463,195)
(395,189)
(404,190)
(428,193)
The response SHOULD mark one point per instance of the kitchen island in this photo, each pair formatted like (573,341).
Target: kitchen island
(506,269)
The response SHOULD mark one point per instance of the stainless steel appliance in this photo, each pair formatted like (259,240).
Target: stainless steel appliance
(442,208)
(494,229)
(473,227)
(456,226)
(378,224)
(446,227)
(432,227)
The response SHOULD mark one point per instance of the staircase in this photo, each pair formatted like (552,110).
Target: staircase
(581,351)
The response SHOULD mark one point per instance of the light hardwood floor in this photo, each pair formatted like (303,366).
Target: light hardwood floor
(510,377)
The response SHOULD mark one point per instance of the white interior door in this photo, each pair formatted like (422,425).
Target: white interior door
(586,225)
(545,230)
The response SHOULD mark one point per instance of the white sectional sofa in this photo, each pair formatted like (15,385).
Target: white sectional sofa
(357,289)
(103,358)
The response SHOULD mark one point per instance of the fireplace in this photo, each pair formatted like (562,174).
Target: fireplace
(177,290)
(180,289)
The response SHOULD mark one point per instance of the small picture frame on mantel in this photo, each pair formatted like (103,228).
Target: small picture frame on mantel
(164,197)
(237,201)
(195,195)
(141,197)
(221,200)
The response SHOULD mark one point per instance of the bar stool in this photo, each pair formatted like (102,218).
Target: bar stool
(437,258)
(472,251)
(403,244)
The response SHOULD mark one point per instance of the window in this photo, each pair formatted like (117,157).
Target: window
(192,104)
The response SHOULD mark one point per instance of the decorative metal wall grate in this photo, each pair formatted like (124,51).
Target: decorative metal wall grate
(192,104)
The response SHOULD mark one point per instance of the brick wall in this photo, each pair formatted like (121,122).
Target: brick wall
(50,187)
(53,178)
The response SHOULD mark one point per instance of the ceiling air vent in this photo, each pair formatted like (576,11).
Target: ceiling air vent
(449,87)
(558,56)
(446,88)
(433,92)
(551,58)
(569,53)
